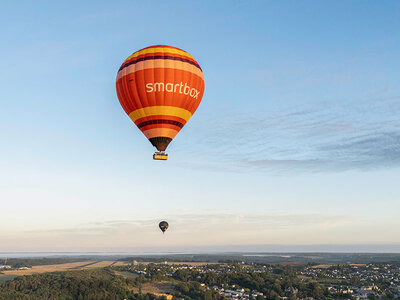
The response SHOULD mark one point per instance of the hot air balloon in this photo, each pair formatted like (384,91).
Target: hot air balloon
(160,88)
(163,226)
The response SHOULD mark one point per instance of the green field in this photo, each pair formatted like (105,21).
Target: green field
(127,274)
(5,278)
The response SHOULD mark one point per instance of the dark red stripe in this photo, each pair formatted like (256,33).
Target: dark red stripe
(132,62)
(151,122)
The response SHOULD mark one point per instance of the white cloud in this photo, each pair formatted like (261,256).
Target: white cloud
(186,230)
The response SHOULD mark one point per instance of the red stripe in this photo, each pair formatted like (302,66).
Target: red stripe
(160,117)
(158,56)
(160,121)
(160,53)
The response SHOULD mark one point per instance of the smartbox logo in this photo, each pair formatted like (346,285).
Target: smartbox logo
(170,87)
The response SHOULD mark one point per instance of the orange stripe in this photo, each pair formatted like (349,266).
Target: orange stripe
(137,97)
(160,132)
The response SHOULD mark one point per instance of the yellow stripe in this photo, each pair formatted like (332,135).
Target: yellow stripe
(160,110)
(159,49)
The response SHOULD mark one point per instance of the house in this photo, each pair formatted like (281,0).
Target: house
(5,267)
(160,296)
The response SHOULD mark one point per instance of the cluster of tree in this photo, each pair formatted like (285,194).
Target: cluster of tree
(283,281)
(83,284)
(191,290)
(143,259)
(277,282)
(155,259)
(29,262)
(280,281)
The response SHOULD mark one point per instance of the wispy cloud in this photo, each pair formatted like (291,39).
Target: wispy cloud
(319,137)
(186,229)
(197,229)
(203,220)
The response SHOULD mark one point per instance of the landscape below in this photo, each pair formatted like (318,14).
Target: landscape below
(186,276)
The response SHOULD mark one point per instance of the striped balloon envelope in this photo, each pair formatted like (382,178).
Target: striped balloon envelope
(160,88)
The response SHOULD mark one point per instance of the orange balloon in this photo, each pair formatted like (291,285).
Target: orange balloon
(160,88)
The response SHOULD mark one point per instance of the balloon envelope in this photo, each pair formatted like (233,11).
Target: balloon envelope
(163,226)
(160,88)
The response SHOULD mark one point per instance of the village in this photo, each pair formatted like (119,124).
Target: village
(240,279)
(257,281)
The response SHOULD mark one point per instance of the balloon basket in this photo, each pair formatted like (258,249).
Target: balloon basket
(160,156)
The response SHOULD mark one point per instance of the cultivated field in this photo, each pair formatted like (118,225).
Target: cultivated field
(64,267)
(105,263)
(325,266)
(5,278)
(163,287)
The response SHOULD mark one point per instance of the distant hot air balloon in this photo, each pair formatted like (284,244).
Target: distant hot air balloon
(163,226)
(160,88)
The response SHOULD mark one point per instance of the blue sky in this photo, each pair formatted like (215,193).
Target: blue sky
(296,141)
